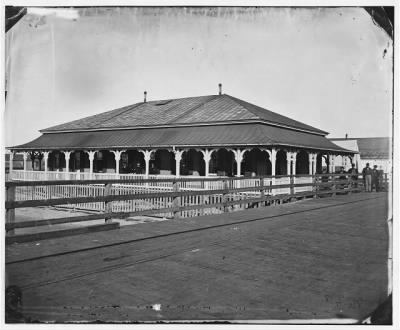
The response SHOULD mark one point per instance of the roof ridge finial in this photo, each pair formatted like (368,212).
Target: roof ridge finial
(220,88)
(145,96)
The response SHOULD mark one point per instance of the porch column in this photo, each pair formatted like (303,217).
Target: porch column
(10,166)
(328,163)
(288,162)
(356,158)
(315,164)
(207,157)
(91,154)
(117,155)
(239,158)
(332,163)
(25,155)
(312,161)
(178,158)
(294,157)
(273,161)
(329,158)
(147,157)
(46,159)
(67,155)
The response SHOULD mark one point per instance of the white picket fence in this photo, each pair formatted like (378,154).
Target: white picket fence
(19,175)
(137,187)
(302,180)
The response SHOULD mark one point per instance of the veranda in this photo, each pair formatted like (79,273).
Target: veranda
(173,162)
(279,164)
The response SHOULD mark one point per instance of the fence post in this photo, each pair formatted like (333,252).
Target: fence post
(225,195)
(315,187)
(349,184)
(291,184)
(262,192)
(333,185)
(271,192)
(176,202)
(108,204)
(10,213)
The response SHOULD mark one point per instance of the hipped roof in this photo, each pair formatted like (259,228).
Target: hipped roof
(209,109)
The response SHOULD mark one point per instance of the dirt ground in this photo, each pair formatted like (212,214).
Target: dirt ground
(318,259)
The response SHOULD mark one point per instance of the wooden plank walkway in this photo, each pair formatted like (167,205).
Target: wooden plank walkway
(312,259)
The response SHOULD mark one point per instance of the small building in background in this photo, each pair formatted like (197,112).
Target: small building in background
(373,150)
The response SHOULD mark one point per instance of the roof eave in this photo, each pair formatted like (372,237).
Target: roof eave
(196,124)
(215,145)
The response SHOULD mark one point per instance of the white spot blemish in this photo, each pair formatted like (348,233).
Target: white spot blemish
(195,250)
(157,307)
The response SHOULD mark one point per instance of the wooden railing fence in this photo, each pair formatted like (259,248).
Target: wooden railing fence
(121,198)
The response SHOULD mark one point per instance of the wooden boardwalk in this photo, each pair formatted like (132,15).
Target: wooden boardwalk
(312,259)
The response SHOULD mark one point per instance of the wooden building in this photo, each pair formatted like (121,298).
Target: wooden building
(214,135)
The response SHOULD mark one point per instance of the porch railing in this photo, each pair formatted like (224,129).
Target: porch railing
(20,175)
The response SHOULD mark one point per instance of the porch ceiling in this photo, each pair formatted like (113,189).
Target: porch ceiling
(201,136)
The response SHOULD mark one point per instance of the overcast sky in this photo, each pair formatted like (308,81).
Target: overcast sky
(330,68)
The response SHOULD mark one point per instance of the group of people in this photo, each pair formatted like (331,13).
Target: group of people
(371,177)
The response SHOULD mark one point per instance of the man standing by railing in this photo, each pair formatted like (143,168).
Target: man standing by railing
(367,176)
(382,179)
(354,176)
(375,178)
(138,169)
(342,177)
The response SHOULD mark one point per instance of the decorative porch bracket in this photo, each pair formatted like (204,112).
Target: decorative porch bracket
(91,154)
(312,162)
(178,158)
(272,158)
(117,156)
(291,157)
(67,155)
(239,158)
(207,157)
(332,163)
(25,156)
(10,166)
(46,160)
(147,157)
